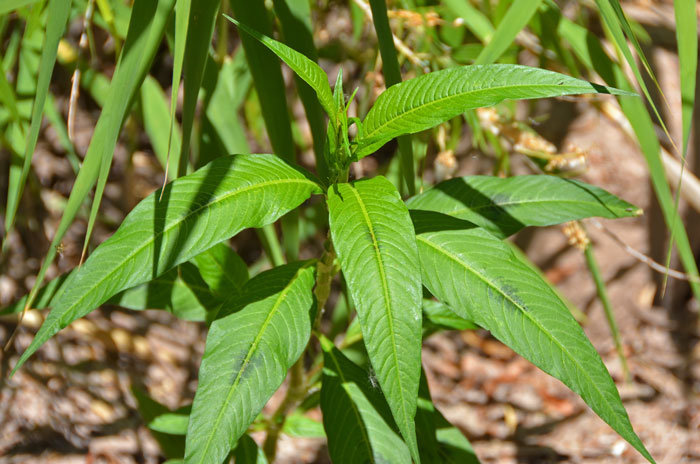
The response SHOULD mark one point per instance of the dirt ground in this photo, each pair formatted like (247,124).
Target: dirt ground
(74,401)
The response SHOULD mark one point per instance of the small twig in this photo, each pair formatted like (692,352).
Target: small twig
(605,301)
(639,256)
(83,47)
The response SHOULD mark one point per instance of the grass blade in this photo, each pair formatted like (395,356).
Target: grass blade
(602,291)
(295,21)
(474,19)
(616,22)
(303,67)
(163,133)
(267,78)
(199,34)
(145,32)
(182,21)
(687,38)
(513,22)
(229,94)
(392,76)
(57,19)
(11,5)
(588,49)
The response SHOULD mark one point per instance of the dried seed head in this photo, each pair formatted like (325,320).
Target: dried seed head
(575,235)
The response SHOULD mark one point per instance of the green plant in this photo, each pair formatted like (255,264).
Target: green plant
(436,259)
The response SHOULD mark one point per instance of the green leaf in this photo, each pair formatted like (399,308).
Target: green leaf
(305,68)
(202,15)
(453,446)
(295,23)
(513,22)
(299,425)
(504,206)
(425,423)
(57,18)
(157,125)
(441,315)
(269,84)
(374,238)
(182,22)
(223,270)
(589,50)
(478,276)
(426,101)
(356,417)
(146,29)
(233,84)
(474,19)
(172,423)
(687,38)
(11,5)
(247,357)
(392,76)
(150,409)
(216,202)
(248,452)
(181,291)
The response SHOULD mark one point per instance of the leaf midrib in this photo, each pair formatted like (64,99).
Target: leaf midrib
(169,228)
(370,134)
(387,298)
(273,311)
(365,437)
(524,312)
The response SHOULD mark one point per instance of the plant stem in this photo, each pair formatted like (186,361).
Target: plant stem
(297,380)
(295,393)
(324,276)
(607,306)
(271,244)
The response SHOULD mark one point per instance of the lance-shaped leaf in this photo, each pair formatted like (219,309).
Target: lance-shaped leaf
(438,316)
(479,277)
(248,452)
(216,202)
(356,418)
(440,442)
(374,238)
(453,446)
(305,68)
(181,291)
(428,100)
(504,206)
(247,357)
(222,269)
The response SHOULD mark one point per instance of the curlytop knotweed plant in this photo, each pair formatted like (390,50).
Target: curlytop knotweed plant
(437,260)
